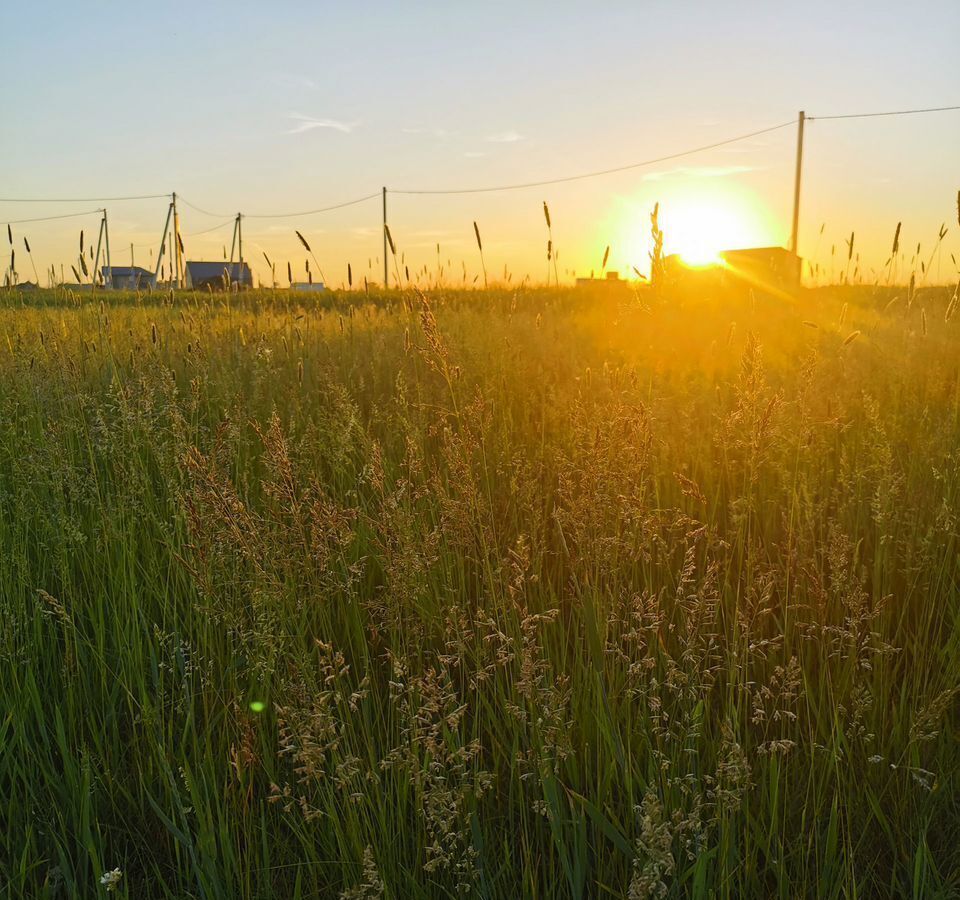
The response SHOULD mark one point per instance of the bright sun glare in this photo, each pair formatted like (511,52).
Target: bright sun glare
(701,220)
(699,231)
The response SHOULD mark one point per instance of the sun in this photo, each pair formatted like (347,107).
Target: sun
(699,229)
(699,220)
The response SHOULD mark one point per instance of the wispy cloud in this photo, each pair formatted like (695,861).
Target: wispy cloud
(699,172)
(504,137)
(309,123)
(439,133)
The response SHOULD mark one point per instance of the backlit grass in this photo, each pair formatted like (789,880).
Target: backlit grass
(491,593)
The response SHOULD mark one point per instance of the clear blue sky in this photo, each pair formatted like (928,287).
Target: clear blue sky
(288,106)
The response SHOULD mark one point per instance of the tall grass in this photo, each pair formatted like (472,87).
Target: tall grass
(504,593)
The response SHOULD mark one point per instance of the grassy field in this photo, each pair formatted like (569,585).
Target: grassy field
(494,593)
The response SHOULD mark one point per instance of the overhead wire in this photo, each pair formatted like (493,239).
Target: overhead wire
(894,112)
(77,215)
(288,215)
(452,191)
(80,199)
(598,173)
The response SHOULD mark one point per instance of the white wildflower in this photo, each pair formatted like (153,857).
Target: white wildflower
(110,880)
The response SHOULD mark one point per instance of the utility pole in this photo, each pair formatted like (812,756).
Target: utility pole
(794,232)
(96,258)
(385,271)
(176,261)
(163,241)
(106,238)
(240,250)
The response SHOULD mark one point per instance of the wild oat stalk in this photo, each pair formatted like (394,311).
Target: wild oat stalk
(393,253)
(306,247)
(891,264)
(657,270)
(551,254)
(476,231)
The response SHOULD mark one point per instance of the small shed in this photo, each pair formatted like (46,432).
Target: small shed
(127,278)
(217,276)
(308,286)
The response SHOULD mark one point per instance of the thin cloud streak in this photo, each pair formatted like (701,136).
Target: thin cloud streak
(309,123)
(440,133)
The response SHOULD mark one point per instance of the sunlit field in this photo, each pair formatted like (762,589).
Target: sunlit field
(506,593)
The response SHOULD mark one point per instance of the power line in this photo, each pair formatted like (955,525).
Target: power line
(311,212)
(51,218)
(202,212)
(208,230)
(191,234)
(895,112)
(474,190)
(79,199)
(636,165)
(290,215)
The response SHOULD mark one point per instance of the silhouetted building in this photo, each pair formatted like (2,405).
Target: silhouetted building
(771,268)
(610,278)
(127,278)
(217,276)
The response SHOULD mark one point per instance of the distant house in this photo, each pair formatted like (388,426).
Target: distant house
(772,268)
(127,278)
(609,279)
(308,286)
(217,276)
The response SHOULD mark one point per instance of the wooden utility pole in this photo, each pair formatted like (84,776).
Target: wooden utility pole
(385,271)
(106,238)
(794,231)
(240,250)
(176,262)
(96,258)
(163,241)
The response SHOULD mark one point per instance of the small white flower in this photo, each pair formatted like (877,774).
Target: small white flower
(110,880)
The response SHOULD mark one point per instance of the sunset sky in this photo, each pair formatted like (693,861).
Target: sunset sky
(270,108)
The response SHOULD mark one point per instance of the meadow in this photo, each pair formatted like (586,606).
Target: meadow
(495,593)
